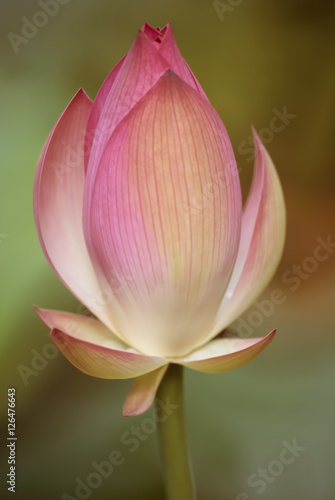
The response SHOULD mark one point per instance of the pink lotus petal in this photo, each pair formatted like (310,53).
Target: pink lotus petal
(143,392)
(166,44)
(96,110)
(141,68)
(224,354)
(154,34)
(167,239)
(262,240)
(58,200)
(129,81)
(93,349)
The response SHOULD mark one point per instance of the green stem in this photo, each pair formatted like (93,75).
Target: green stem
(177,471)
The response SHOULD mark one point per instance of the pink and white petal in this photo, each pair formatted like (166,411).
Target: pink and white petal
(101,361)
(140,70)
(262,240)
(58,202)
(134,75)
(84,327)
(90,346)
(143,392)
(167,238)
(96,110)
(224,354)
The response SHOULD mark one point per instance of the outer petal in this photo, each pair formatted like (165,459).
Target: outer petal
(140,70)
(58,201)
(224,354)
(93,349)
(165,218)
(97,108)
(143,392)
(262,240)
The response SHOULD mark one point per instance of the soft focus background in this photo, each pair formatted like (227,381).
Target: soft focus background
(255,60)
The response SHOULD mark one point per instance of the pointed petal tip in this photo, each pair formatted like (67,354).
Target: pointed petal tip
(134,411)
(42,313)
(81,92)
(128,413)
(38,310)
(273,333)
(225,354)
(150,27)
(49,316)
(257,141)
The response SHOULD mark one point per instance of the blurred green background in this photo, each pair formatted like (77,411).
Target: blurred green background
(254,60)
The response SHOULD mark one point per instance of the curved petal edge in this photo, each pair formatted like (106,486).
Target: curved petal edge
(143,392)
(58,202)
(94,349)
(262,240)
(225,354)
